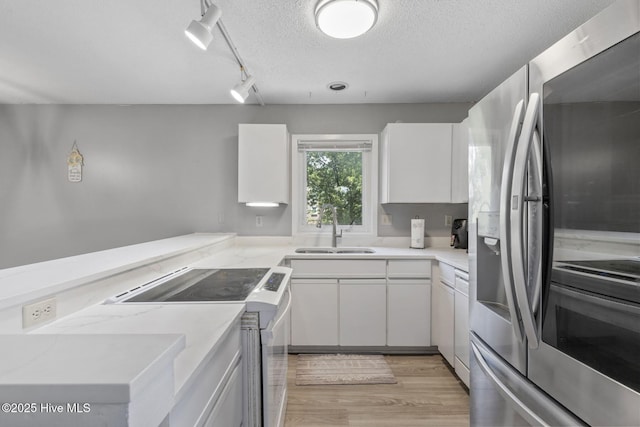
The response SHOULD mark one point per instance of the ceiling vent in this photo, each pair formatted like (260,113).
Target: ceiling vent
(337,86)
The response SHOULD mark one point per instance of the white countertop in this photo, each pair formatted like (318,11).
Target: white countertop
(264,255)
(29,282)
(62,368)
(203,326)
(101,330)
(89,380)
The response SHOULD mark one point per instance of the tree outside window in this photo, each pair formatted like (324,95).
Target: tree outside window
(334,177)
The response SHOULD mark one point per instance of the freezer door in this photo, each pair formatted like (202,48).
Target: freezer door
(494,127)
(503,397)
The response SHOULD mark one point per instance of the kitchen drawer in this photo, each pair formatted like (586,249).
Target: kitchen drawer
(462,282)
(339,268)
(447,274)
(408,268)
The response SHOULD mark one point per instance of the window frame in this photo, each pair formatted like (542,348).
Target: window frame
(369,225)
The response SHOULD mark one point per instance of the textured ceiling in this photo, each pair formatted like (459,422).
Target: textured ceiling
(135,51)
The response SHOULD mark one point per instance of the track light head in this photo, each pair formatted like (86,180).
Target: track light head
(240,92)
(199,32)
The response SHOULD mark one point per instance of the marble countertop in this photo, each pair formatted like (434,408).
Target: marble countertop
(203,326)
(185,333)
(108,377)
(29,282)
(31,365)
(264,254)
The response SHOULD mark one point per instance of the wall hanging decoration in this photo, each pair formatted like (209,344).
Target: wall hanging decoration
(74,163)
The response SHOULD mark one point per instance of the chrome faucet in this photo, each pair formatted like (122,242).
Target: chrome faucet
(334,234)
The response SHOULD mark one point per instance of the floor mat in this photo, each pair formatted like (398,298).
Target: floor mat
(322,369)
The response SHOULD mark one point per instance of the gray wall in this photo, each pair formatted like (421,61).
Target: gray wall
(155,171)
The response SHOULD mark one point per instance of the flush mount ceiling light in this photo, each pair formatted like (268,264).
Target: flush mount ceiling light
(345,19)
(199,32)
(240,92)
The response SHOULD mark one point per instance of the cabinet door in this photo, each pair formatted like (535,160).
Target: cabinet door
(228,409)
(363,312)
(460,163)
(416,163)
(409,313)
(443,320)
(462,327)
(314,312)
(263,163)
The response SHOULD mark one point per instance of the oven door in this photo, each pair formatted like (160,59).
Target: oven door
(275,343)
(589,86)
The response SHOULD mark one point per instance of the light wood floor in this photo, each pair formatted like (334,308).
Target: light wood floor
(427,394)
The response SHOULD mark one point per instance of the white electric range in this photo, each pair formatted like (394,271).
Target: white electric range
(265,325)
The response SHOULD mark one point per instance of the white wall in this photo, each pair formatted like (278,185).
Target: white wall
(151,171)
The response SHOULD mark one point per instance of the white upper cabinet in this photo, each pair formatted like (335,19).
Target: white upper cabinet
(460,163)
(263,163)
(415,163)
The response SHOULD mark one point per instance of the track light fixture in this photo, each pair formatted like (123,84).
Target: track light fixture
(199,32)
(240,92)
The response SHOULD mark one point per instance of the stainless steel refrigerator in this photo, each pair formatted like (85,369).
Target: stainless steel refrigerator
(554,234)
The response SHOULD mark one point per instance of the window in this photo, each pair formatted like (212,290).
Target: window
(339,170)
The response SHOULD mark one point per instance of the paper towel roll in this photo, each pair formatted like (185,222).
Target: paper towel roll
(417,233)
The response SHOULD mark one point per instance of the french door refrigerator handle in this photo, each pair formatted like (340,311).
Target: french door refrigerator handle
(504,391)
(539,409)
(517,209)
(537,159)
(505,234)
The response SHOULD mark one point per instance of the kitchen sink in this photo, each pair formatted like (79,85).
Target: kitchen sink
(327,250)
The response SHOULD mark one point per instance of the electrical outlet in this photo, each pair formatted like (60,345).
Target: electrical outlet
(386,219)
(448,220)
(220,218)
(39,312)
(258,220)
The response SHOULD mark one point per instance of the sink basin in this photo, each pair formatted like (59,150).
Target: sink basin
(343,250)
(355,251)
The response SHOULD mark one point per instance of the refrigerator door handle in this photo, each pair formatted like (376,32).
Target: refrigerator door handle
(504,391)
(537,163)
(523,396)
(518,198)
(505,234)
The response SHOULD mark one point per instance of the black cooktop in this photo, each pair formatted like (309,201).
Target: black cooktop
(230,284)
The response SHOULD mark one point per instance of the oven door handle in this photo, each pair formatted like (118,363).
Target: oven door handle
(275,323)
(518,208)
(505,236)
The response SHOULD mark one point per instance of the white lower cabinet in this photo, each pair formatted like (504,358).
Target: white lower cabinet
(461,363)
(363,312)
(408,312)
(443,320)
(361,303)
(228,409)
(314,312)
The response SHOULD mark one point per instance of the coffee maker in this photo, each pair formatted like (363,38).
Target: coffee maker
(459,234)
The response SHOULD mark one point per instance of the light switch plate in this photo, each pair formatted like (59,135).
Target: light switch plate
(39,312)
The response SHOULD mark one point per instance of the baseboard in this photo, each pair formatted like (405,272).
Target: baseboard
(312,349)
